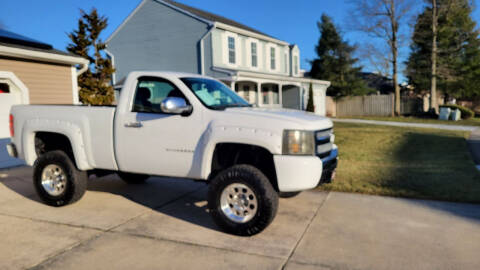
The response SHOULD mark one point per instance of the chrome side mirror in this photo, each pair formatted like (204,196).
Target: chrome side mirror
(175,105)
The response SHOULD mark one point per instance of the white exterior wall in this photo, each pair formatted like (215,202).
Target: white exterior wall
(243,53)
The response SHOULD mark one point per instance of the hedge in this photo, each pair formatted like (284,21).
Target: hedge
(466,112)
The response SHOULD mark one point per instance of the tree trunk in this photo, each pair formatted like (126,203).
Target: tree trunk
(394,47)
(433,90)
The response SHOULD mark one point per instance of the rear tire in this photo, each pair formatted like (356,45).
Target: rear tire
(57,180)
(133,178)
(242,200)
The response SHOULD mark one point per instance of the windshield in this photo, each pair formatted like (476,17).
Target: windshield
(214,94)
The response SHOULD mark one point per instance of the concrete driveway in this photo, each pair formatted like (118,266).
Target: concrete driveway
(163,224)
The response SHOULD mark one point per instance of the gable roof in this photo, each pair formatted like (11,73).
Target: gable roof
(204,16)
(214,17)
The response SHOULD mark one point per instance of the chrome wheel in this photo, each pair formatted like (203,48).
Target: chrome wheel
(54,180)
(238,202)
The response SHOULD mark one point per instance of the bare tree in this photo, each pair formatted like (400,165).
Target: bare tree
(377,58)
(433,89)
(382,19)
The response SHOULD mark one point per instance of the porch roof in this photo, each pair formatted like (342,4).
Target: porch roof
(245,75)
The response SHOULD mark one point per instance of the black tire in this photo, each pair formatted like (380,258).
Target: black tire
(76,180)
(133,178)
(254,179)
(287,195)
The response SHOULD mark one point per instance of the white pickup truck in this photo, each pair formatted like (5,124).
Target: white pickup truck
(179,125)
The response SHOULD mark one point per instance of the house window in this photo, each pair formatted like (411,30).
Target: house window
(295,64)
(231,50)
(272,58)
(4,88)
(254,54)
(286,64)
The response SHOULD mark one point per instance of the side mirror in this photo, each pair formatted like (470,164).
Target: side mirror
(175,105)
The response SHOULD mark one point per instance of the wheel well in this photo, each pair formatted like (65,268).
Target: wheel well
(229,154)
(50,141)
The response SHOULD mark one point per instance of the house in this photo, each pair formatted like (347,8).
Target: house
(167,35)
(32,72)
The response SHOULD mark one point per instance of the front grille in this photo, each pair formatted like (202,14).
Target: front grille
(323,144)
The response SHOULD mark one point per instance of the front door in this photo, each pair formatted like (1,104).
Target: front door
(151,142)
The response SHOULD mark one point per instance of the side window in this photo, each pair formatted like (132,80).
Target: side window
(4,88)
(150,93)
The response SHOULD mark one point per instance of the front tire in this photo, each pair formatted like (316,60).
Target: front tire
(57,180)
(242,200)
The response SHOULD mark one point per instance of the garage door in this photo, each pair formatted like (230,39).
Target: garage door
(9,95)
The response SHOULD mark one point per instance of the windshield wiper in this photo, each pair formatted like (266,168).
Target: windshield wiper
(224,106)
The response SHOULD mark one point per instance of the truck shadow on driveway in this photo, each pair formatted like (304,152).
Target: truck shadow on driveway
(178,198)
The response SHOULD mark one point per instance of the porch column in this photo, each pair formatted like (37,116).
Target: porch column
(259,94)
(280,96)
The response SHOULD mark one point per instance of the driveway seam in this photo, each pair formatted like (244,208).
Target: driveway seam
(63,251)
(305,231)
(53,222)
(193,244)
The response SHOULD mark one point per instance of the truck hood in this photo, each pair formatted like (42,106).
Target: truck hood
(278,118)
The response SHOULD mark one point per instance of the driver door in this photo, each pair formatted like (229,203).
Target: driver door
(151,142)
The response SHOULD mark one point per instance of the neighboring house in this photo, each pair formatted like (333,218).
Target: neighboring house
(166,35)
(383,85)
(32,72)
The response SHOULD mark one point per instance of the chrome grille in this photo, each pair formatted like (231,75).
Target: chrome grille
(323,144)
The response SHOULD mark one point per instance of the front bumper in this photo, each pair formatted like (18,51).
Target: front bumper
(297,173)
(12,150)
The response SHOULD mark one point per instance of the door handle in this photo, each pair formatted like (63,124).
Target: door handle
(133,124)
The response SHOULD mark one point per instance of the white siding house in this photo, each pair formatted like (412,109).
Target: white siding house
(167,35)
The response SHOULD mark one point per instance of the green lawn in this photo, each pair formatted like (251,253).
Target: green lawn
(406,162)
(468,122)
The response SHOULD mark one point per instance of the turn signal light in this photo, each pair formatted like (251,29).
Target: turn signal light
(11,126)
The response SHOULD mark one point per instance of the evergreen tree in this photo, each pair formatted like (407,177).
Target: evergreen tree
(310,106)
(458,50)
(94,83)
(335,62)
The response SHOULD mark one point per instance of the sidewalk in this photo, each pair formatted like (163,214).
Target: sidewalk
(403,124)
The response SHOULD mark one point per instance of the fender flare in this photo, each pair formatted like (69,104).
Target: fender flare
(69,130)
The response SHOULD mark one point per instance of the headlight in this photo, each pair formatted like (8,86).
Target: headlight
(298,142)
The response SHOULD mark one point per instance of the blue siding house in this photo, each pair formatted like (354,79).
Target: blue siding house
(167,35)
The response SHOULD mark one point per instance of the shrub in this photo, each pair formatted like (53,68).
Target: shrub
(466,112)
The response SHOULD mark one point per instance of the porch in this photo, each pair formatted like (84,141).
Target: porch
(278,91)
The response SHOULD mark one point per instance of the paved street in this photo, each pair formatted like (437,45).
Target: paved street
(163,224)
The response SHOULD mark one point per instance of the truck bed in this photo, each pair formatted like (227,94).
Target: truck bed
(94,125)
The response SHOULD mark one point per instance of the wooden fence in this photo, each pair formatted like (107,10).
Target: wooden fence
(374,105)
